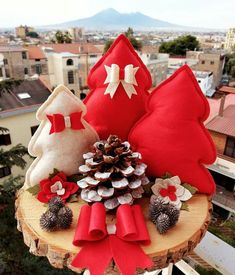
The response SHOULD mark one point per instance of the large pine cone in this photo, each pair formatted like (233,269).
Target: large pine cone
(114,174)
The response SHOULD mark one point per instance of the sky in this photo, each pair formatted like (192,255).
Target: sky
(195,13)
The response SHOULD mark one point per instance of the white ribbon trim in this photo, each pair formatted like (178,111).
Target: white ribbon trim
(67,121)
(113,79)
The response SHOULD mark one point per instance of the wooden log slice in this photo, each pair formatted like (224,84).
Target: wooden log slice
(164,249)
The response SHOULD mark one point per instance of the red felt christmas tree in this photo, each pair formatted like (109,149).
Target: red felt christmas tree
(172,137)
(119,85)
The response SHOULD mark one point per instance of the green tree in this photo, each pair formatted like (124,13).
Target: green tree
(14,255)
(32,34)
(130,35)
(8,85)
(180,45)
(230,65)
(63,37)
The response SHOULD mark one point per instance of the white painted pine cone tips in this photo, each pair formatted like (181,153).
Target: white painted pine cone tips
(113,174)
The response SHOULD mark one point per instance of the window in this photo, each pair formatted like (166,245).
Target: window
(69,62)
(5,171)
(1,74)
(203,62)
(73,91)
(26,71)
(38,68)
(212,62)
(24,55)
(5,61)
(23,95)
(33,129)
(5,139)
(93,56)
(7,72)
(199,81)
(230,147)
(82,95)
(80,82)
(70,77)
(37,59)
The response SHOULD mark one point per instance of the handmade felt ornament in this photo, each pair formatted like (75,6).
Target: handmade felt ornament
(103,242)
(171,136)
(62,137)
(119,84)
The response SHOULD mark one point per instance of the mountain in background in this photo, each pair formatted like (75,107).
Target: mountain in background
(110,19)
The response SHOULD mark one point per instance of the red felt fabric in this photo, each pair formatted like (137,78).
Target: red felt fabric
(58,122)
(171,136)
(99,247)
(118,114)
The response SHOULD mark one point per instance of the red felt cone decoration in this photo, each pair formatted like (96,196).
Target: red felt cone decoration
(171,137)
(119,85)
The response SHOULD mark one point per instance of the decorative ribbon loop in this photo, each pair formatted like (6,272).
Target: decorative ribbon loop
(115,77)
(60,122)
(99,246)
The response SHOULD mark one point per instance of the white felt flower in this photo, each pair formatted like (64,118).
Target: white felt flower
(171,191)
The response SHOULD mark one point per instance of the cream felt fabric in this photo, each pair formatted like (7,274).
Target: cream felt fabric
(62,150)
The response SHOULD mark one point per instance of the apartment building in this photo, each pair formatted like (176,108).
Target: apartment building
(222,131)
(157,63)
(22,31)
(17,113)
(211,61)
(69,64)
(230,39)
(16,61)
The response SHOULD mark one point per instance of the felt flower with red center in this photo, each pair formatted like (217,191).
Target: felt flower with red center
(171,191)
(56,186)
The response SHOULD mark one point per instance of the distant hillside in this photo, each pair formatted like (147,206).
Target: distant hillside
(110,19)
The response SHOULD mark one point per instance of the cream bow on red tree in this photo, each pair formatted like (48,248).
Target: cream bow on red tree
(125,76)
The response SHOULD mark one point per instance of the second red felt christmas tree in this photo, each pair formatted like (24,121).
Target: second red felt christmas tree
(171,137)
(119,85)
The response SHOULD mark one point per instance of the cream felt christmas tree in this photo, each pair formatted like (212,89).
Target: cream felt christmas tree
(62,137)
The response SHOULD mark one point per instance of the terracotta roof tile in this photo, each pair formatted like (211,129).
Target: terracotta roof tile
(35,52)
(224,124)
(227,89)
(75,48)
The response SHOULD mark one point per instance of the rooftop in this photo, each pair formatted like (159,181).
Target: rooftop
(224,124)
(226,89)
(75,48)
(27,94)
(11,48)
(35,52)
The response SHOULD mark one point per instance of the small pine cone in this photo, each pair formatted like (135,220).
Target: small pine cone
(163,223)
(48,221)
(155,208)
(65,218)
(173,213)
(55,204)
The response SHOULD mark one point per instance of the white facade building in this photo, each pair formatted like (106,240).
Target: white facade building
(205,81)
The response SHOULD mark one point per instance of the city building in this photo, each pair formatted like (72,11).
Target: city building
(74,62)
(63,69)
(2,68)
(18,108)
(222,130)
(157,63)
(22,31)
(76,33)
(37,61)
(205,81)
(211,61)
(230,39)
(16,63)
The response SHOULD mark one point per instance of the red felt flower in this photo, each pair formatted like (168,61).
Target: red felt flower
(169,192)
(56,186)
